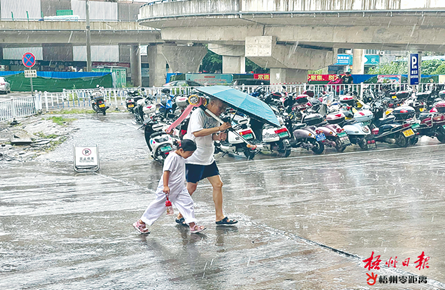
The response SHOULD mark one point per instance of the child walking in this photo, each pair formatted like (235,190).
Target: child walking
(172,185)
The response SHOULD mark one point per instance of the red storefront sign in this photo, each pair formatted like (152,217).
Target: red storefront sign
(261,77)
(322,78)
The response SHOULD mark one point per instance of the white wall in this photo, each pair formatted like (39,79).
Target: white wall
(410,4)
(109,53)
(19,8)
(104,11)
(17,53)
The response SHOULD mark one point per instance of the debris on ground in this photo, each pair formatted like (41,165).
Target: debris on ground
(30,137)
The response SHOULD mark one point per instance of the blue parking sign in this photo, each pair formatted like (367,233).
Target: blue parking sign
(414,68)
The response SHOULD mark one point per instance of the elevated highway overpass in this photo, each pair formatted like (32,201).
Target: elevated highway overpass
(61,36)
(13,33)
(292,36)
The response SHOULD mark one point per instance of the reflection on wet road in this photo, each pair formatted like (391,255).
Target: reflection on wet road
(306,222)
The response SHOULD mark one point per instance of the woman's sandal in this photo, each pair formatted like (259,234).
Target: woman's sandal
(226,221)
(196,229)
(181,221)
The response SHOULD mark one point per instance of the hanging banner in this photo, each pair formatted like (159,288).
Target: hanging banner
(265,77)
(321,77)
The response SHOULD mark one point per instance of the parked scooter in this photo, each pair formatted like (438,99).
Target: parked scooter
(336,137)
(98,102)
(234,144)
(273,139)
(358,131)
(158,141)
(303,136)
(132,99)
(144,107)
(167,104)
(396,128)
(432,124)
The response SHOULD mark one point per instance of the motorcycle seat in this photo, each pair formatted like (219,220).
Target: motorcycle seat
(298,126)
(386,121)
(350,122)
(157,134)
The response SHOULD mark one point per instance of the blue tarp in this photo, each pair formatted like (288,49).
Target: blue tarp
(361,78)
(9,73)
(70,75)
(59,75)
(169,76)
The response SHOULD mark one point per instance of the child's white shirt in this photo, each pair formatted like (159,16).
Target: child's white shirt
(176,165)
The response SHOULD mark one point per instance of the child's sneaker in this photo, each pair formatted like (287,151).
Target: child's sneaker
(196,229)
(140,227)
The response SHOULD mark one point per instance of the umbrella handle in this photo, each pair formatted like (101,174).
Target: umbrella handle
(249,145)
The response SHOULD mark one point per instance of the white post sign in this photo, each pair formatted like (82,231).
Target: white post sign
(30,73)
(86,159)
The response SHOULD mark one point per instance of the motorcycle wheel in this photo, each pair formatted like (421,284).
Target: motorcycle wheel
(363,143)
(401,140)
(318,146)
(284,150)
(441,137)
(250,154)
(138,117)
(338,146)
(104,112)
(413,140)
(159,155)
(217,149)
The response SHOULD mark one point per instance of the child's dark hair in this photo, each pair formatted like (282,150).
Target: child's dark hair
(187,145)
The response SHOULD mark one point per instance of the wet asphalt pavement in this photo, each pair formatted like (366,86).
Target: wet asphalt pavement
(306,222)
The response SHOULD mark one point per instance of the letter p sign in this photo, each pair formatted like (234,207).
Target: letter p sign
(414,61)
(414,69)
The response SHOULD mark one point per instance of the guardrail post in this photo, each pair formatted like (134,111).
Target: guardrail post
(13,112)
(38,101)
(46,100)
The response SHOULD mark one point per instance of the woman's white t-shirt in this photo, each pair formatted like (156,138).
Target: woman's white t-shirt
(205,148)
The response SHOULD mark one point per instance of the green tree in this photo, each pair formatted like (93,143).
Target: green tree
(390,68)
(429,67)
(440,70)
(251,66)
(212,62)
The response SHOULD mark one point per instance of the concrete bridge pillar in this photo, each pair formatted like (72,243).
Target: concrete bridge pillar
(135,65)
(234,61)
(234,64)
(289,63)
(358,64)
(157,65)
(183,59)
(287,76)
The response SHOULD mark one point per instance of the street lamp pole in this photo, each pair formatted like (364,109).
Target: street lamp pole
(87,14)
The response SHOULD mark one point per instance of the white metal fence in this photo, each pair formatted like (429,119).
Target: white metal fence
(45,101)
(18,107)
